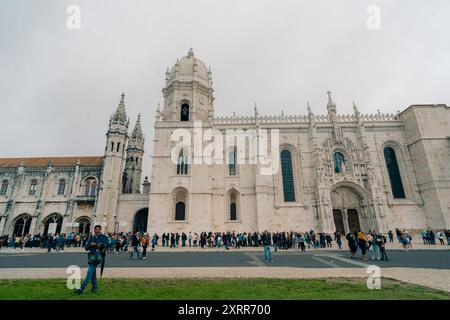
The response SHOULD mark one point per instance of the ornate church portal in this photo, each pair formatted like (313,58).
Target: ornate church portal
(350,211)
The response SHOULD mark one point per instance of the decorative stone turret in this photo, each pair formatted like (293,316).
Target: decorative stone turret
(113,165)
(188,92)
(133,165)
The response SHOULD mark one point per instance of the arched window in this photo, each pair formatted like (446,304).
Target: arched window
(394,173)
(233,207)
(288,176)
(4,188)
(33,187)
(118,146)
(180,204)
(140,221)
(22,225)
(339,162)
(184,112)
(112,146)
(61,187)
(90,186)
(180,209)
(232,162)
(53,224)
(84,225)
(182,164)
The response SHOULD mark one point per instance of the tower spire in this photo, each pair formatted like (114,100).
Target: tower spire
(137,131)
(120,115)
(331,107)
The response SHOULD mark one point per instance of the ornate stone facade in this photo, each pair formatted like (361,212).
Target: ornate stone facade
(65,194)
(374,171)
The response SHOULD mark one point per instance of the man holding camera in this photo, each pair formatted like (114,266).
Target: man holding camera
(96,247)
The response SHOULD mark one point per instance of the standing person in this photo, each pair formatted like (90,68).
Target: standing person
(190,239)
(376,245)
(50,240)
(362,243)
(441,237)
(404,241)
(144,241)
(195,239)
(391,236)
(381,241)
(266,240)
(154,241)
(301,241)
(352,245)
(183,239)
(329,240)
(337,237)
(96,247)
(135,245)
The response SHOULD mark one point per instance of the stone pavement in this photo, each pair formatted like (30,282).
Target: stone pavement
(433,278)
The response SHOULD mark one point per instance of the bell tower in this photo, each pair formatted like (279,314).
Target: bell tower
(188,92)
(113,163)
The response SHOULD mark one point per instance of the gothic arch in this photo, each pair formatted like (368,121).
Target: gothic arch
(402,159)
(296,172)
(53,218)
(348,163)
(140,221)
(180,204)
(350,207)
(233,205)
(185,110)
(89,186)
(84,225)
(22,224)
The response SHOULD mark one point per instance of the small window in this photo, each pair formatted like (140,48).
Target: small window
(232,162)
(182,164)
(112,146)
(339,162)
(184,112)
(61,187)
(4,188)
(33,186)
(118,146)
(233,208)
(180,205)
(180,211)
(90,187)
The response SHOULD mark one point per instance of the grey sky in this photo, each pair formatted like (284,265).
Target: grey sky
(58,87)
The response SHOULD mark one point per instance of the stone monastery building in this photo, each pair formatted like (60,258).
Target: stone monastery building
(335,172)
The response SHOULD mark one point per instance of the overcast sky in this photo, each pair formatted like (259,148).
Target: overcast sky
(58,86)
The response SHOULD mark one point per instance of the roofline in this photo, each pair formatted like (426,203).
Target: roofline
(425,106)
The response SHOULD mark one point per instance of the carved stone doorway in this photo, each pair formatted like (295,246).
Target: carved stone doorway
(347,209)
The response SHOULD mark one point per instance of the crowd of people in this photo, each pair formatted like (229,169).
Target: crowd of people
(138,242)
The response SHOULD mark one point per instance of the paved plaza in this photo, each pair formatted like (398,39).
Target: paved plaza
(425,267)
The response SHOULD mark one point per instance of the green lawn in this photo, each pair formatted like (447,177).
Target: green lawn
(244,288)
